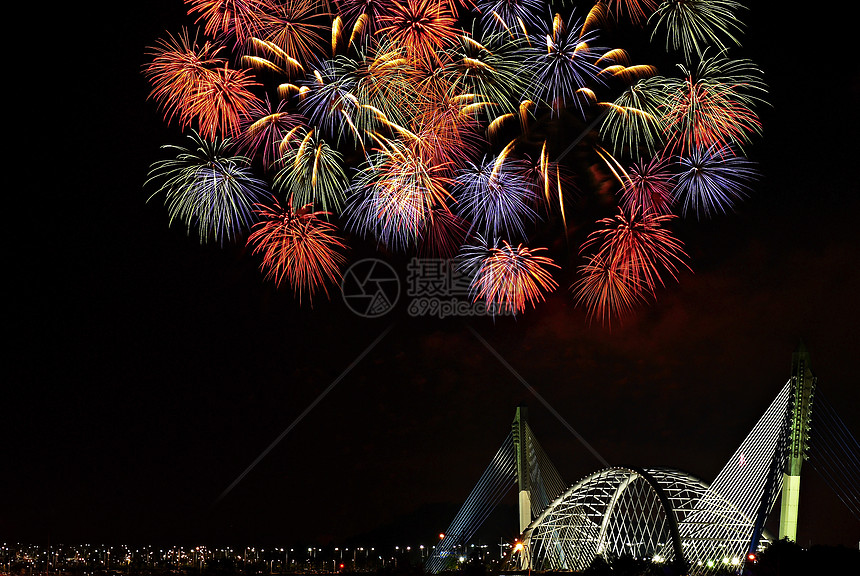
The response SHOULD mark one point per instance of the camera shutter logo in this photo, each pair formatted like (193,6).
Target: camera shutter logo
(370,288)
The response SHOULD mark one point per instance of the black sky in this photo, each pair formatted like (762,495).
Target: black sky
(145,372)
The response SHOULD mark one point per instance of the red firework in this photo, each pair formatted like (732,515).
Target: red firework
(637,247)
(649,187)
(179,67)
(605,291)
(423,27)
(240,19)
(298,247)
(443,234)
(266,129)
(509,278)
(637,11)
(221,102)
(706,113)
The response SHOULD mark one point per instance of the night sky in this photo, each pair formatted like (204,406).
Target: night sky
(145,372)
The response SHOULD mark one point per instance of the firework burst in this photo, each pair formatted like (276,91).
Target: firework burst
(180,67)
(298,247)
(693,25)
(649,186)
(295,28)
(712,180)
(633,122)
(393,197)
(238,19)
(638,246)
(507,278)
(206,187)
(606,292)
(425,28)
(495,197)
(265,129)
(312,173)
(565,64)
(713,105)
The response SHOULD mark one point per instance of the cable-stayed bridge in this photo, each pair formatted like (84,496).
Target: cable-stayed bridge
(663,514)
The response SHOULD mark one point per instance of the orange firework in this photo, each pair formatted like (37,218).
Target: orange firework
(294,27)
(422,27)
(222,101)
(240,19)
(605,291)
(179,67)
(637,11)
(713,105)
(507,277)
(298,247)
(639,246)
(632,251)
(396,193)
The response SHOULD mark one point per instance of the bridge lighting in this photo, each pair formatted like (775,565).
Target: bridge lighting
(751,557)
(441,535)
(518,547)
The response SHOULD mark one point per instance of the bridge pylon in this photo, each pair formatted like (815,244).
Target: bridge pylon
(803,388)
(523,484)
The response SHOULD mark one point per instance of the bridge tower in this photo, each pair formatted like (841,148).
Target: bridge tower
(523,484)
(803,389)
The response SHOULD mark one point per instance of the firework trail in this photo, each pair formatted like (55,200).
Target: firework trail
(428,126)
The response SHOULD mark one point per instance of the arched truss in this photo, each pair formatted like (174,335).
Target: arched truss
(660,514)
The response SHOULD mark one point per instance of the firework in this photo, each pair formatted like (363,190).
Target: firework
(636,11)
(312,173)
(605,292)
(207,188)
(444,234)
(564,65)
(444,125)
(633,122)
(649,186)
(265,129)
(495,197)
(328,102)
(713,180)
(295,28)
(492,66)
(423,27)
(180,66)
(298,247)
(364,15)
(637,246)
(239,19)
(513,17)
(393,195)
(692,25)
(713,105)
(508,278)
(222,101)
(381,80)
